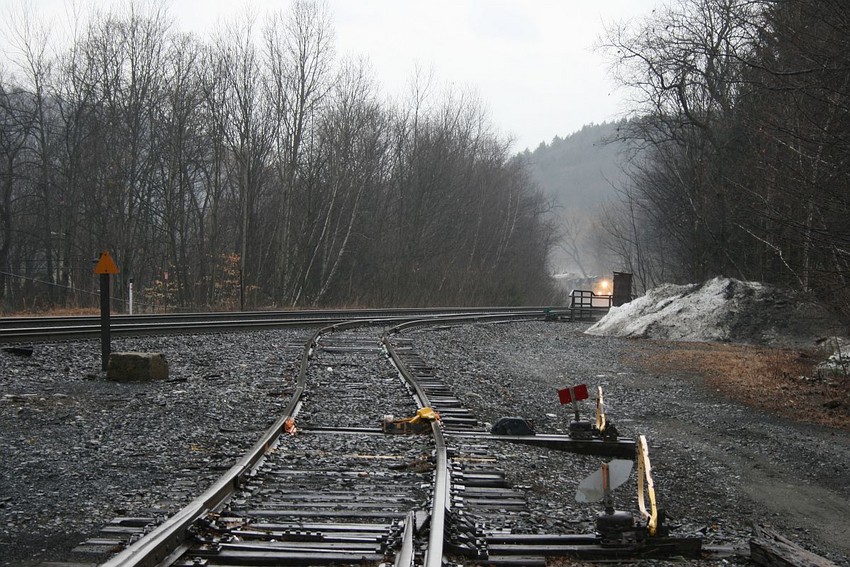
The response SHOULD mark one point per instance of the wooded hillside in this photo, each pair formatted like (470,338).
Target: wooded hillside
(580,173)
(252,168)
(745,133)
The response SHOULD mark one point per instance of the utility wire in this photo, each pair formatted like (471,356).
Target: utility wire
(69,288)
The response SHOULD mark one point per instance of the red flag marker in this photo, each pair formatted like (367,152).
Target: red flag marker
(574,394)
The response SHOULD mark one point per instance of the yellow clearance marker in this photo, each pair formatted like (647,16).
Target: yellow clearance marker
(645,476)
(106,265)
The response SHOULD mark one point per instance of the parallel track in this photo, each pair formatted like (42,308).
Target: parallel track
(171,542)
(35,329)
(340,492)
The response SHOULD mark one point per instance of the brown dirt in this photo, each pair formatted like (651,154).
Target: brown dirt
(784,382)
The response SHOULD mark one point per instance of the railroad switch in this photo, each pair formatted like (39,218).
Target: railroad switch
(513,426)
(603,428)
(419,423)
(466,538)
(581,429)
(616,526)
(618,529)
(585,430)
(600,428)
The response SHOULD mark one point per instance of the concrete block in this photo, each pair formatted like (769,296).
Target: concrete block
(136,366)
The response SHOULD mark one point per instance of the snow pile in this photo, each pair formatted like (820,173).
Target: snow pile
(722,309)
(839,361)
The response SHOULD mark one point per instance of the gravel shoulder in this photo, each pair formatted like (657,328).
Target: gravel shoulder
(718,465)
(79,450)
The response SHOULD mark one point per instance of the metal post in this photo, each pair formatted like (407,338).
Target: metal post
(104,321)
(241,291)
(575,403)
(607,499)
(131,296)
(165,290)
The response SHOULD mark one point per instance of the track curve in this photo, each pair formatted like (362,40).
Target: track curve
(339,490)
(170,541)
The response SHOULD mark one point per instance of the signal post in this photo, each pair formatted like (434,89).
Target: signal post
(104,268)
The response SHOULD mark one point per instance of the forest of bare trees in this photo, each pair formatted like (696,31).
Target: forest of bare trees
(741,133)
(253,168)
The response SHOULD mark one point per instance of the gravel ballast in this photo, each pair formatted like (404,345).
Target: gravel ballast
(718,466)
(79,450)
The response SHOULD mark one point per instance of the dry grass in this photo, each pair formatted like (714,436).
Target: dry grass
(56,312)
(780,381)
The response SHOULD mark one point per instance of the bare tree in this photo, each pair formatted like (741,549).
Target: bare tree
(298,58)
(795,116)
(17,121)
(253,163)
(684,65)
(352,136)
(180,166)
(248,133)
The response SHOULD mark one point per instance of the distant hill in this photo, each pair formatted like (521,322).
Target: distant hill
(579,173)
(580,169)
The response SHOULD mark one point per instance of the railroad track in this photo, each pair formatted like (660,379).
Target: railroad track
(338,491)
(325,485)
(32,329)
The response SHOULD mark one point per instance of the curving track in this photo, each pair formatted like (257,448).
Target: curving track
(259,499)
(338,491)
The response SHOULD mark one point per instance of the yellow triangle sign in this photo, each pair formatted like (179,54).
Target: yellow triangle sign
(106,265)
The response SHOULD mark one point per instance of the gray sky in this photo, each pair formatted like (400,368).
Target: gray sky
(530,61)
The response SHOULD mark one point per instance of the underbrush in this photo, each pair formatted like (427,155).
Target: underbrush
(790,383)
(56,312)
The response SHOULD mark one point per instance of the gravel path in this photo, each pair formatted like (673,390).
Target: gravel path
(79,450)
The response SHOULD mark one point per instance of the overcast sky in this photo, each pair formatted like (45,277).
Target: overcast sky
(530,61)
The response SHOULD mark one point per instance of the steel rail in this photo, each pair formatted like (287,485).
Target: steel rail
(36,334)
(69,328)
(482,317)
(161,542)
(335,314)
(517,549)
(440,501)
(166,540)
(405,555)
